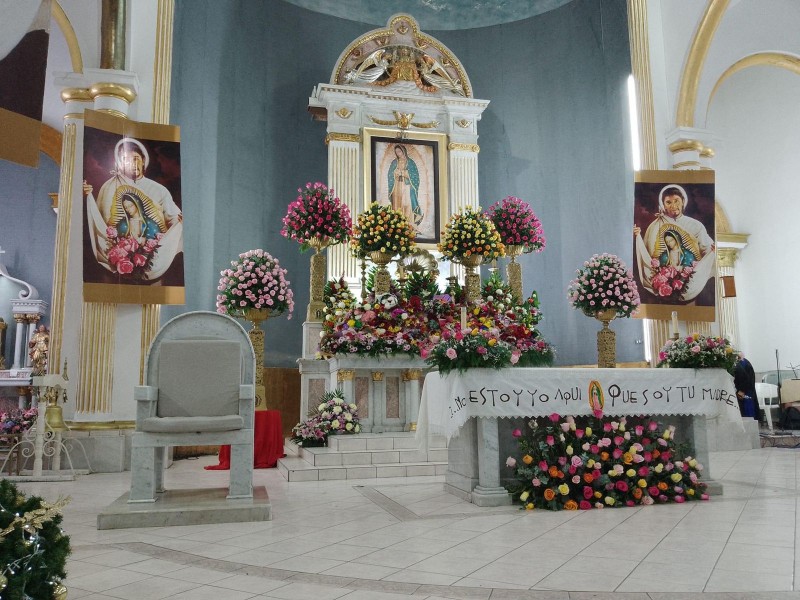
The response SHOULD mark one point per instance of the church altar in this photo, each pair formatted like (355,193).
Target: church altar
(695,399)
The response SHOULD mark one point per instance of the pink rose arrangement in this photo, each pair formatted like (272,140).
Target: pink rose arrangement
(571,463)
(254,281)
(517,224)
(669,281)
(604,283)
(698,352)
(317,213)
(129,257)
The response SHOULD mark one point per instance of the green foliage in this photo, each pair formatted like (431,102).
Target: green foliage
(32,559)
(422,284)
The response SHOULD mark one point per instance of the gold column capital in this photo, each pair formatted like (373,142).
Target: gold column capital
(335,136)
(726,257)
(412,374)
(345,375)
(377,376)
(686,146)
(77,94)
(113,90)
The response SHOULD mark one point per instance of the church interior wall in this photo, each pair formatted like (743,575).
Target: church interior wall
(27,234)
(755,115)
(554,134)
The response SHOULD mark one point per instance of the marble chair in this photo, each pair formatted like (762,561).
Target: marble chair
(200,391)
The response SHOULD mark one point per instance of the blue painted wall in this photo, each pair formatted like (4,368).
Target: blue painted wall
(554,134)
(27,234)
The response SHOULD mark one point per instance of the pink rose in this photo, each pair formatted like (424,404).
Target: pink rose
(550,440)
(511,462)
(515,357)
(652,426)
(555,417)
(562,460)
(585,505)
(111,232)
(576,461)
(116,254)
(588,492)
(517,433)
(695,349)
(638,430)
(579,433)
(565,427)
(451,353)
(139,260)
(679,499)
(535,482)
(616,453)
(647,500)
(543,465)
(124,267)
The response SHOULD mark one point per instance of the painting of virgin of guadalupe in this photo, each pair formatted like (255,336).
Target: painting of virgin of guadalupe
(675,255)
(406,174)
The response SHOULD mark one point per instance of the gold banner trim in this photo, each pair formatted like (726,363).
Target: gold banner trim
(19,142)
(133,294)
(128,128)
(673,176)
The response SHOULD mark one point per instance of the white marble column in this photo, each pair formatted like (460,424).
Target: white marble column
(489,492)
(19,343)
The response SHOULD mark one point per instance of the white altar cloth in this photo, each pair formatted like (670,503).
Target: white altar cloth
(449,401)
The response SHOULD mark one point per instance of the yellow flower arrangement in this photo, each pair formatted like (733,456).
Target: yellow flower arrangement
(470,233)
(382,229)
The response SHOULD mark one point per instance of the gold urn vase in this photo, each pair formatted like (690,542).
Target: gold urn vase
(319,271)
(256,316)
(382,279)
(606,339)
(472,281)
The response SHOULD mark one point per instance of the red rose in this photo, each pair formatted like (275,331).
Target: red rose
(139,260)
(124,267)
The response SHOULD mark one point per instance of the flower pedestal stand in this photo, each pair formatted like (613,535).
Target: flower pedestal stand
(606,340)
(472,281)
(382,279)
(319,270)
(514,270)
(256,335)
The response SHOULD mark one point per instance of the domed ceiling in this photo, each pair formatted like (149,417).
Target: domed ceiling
(434,15)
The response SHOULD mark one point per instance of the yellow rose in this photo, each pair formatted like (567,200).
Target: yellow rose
(642,483)
(659,468)
(676,477)
(690,491)
(492,342)
(524,496)
(563,489)
(351,323)
(610,501)
(630,473)
(589,432)
(598,495)
(693,463)
(529,506)
(590,462)
(570,451)
(666,434)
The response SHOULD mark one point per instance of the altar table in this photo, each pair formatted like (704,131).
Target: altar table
(474,457)
(267,446)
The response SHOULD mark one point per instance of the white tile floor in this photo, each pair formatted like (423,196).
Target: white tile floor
(339,539)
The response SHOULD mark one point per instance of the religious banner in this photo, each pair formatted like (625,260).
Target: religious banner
(133,220)
(673,244)
(448,401)
(23,61)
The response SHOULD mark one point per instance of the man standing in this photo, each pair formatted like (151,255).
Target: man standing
(744,378)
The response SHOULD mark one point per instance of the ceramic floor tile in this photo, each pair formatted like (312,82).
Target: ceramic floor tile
(105,579)
(211,593)
(361,570)
(306,565)
(247,583)
(197,575)
(633,584)
(306,591)
(580,581)
(722,580)
(412,576)
(155,588)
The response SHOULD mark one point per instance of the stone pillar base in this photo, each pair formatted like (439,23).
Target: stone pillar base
(491,496)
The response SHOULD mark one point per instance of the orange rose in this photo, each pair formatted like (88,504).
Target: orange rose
(656,453)
(662,486)
(637,493)
(549,494)
(627,458)
(588,478)
(553,471)
(604,456)
(560,474)
(527,459)
(570,505)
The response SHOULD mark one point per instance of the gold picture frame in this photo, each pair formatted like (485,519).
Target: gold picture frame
(409,172)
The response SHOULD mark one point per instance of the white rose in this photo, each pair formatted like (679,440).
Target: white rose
(349,426)
(352,406)
(357,428)
(337,410)
(321,406)
(348,417)
(335,424)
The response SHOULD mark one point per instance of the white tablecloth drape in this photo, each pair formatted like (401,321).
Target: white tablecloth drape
(448,401)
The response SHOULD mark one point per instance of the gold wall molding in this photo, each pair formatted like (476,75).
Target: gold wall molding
(732,238)
(377,376)
(344,113)
(643,81)
(463,123)
(412,374)
(62,243)
(687,164)
(96,371)
(162,63)
(61,19)
(77,94)
(100,425)
(780,60)
(464,147)
(693,69)
(686,146)
(334,136)
(50,143)
(345,375)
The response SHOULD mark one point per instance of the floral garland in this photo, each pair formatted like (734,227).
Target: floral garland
(470,233)
(317,214)
(698,352)
(604,283)
(595,462)
(517,224)
(254,281)
(382,229)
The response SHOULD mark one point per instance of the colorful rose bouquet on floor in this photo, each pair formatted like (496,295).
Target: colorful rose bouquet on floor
(698,352)
(382,229)
(596,462)
(16,421)
(317,214)
(254,281)
(333,415)
(470,233)
(517,224)
(604,283)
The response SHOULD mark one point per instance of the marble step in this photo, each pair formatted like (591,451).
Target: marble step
(399,440)
(329,457)
(297,469)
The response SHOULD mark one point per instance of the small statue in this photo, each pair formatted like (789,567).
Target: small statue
(39,348)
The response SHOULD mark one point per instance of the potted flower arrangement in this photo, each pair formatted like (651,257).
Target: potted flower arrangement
(317,218)
(518,226)
(470,238)
(571,463)
(333,415)
(604,285)
(698,352)
(16,422)
(255,281)
(382,230)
